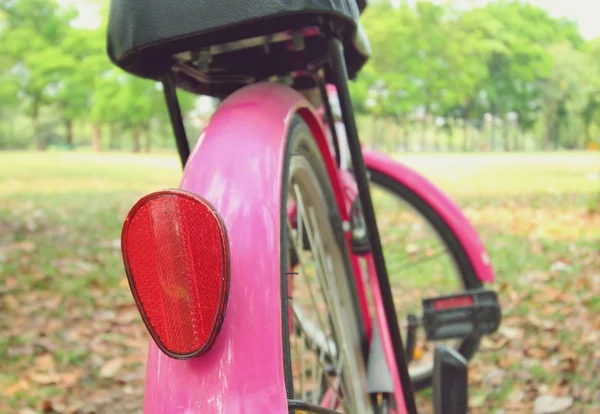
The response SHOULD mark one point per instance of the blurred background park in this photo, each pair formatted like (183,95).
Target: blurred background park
(497,102)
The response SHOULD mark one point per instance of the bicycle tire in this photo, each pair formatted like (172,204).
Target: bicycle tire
(300,141)
(467,347)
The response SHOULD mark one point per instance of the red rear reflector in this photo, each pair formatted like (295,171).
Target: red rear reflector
(176,255)
(450,303)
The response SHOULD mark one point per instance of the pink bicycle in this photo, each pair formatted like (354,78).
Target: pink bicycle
(262,280)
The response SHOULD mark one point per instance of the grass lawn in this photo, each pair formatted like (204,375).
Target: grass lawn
(71,339)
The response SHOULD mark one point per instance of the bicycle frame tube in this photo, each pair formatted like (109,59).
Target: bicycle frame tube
(183,146)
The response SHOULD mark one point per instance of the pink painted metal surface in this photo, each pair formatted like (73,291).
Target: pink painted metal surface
(386,340)
(442,204)
(350,191)
(237,166)
(242,144)
(345,191)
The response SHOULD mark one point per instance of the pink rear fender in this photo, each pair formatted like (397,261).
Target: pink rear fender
(442,204)
(237,166)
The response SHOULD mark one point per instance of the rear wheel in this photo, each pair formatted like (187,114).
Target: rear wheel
(424,259)
(322,329)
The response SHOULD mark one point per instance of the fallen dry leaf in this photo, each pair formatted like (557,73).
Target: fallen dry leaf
(100,397)
(24,350)
(11,303)
(51,326)
(516,396)
(44,379)
(138,343)
(550,293)
(46,406)
(549,404)
(68,379)
(127,315)
(550,344)
(111,367)
(20,385)
(495,377)
(523,375)
(488,343)
(582,393)
(561,389)
(134,359)
(24,246)
(537,276)
(10,282)
(411,249)
(540,323)
(510,332)
(560,266)
(45,361)
(477,400)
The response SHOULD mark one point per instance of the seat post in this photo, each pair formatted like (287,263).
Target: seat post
(183,146)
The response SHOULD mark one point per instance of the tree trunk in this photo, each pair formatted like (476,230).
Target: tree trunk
(492,134)
(374,131)
(113,137)
(69,129)
(450,141)
(136,139)
(465,136)
(96,137)
(405,133)
(148,140)
(398,142)
(556,134)
(505,136)
(37,131)
(588,135)
(547,134)
(424,133)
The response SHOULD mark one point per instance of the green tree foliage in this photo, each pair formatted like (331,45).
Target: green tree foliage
(491,70)
(47,63)
(501,58)
(569,88)
(591,110)
(31,36)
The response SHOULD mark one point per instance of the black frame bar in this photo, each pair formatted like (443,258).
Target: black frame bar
(339,75)
(170,90)
(330,118)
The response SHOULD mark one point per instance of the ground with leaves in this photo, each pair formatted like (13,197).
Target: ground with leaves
(71,339)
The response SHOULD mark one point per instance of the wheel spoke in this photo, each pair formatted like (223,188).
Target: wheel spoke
(312,294)
(302,369)
(310,227)
(320,302)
